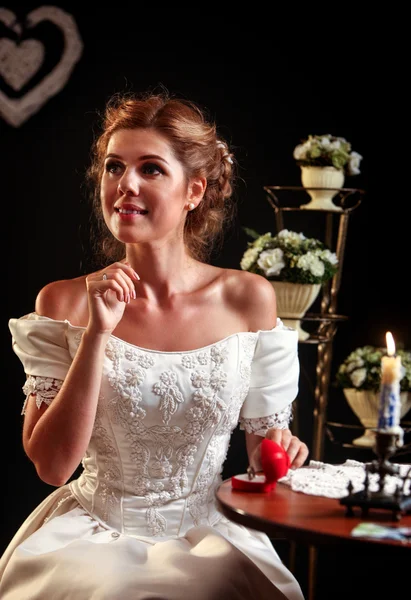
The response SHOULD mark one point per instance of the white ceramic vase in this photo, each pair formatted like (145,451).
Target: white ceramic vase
(293,301)
(365,404)
(322,177)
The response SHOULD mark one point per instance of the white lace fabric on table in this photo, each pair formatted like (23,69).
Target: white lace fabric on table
(331,481)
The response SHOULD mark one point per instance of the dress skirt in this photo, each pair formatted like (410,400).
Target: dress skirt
(61,552)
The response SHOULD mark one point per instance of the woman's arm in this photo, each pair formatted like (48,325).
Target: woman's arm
(262,315)
(55,438)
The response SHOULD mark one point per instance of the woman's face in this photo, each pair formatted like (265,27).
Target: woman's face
(144,190)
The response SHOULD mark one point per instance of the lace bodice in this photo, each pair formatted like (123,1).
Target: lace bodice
(164,419)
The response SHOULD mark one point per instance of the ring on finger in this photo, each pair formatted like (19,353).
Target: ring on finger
(105,276)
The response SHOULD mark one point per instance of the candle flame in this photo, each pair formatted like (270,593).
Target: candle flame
(390,344)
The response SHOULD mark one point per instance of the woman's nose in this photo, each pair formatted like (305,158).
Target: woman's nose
(128,185)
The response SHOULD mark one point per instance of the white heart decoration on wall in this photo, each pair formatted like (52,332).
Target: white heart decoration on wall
(20,61)
(18,64)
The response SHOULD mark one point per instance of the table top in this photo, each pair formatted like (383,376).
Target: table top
(284,513)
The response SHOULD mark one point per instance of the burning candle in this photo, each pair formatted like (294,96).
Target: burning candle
(390,401)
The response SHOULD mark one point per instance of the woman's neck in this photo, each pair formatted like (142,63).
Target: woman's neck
(163,272)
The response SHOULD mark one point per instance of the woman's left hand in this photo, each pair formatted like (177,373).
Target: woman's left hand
(295,448)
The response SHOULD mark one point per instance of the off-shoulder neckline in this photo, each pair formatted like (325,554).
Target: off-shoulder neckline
(114,337)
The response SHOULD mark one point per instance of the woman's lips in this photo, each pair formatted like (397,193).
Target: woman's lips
(127,213)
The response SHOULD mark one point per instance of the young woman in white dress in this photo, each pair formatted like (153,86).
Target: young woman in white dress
(140,371)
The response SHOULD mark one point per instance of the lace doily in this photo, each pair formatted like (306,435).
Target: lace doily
(331,481)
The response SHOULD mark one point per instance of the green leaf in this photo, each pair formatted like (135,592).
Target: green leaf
(251,233)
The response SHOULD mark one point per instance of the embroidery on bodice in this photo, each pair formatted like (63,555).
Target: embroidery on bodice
(162,453)
(204,490)
(175,424)
(110,480)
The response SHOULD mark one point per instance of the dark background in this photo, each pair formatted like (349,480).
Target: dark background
(268,85)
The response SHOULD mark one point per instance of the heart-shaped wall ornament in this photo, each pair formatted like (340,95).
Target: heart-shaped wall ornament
(19,62)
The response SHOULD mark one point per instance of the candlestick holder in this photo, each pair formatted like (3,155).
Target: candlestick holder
(398,502)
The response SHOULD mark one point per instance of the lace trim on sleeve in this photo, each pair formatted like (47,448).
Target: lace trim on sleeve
(260,425)
(44,388)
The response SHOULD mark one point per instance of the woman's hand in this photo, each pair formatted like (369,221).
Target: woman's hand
(109,290)
(295,448)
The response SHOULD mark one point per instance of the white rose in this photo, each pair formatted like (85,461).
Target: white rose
(300,152)
(311,262)
(336,145)
(331,257)
(271,261)
(355,363)
(353,166)
(291,238)
(358,377)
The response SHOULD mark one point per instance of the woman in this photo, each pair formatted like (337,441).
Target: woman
(140,371)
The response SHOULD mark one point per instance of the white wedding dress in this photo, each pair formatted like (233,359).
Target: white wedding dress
(141,521)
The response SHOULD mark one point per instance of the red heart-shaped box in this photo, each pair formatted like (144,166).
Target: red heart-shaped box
(275,462)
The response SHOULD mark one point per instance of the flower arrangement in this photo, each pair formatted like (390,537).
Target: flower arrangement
(361,369)
(289,256)
(328,151)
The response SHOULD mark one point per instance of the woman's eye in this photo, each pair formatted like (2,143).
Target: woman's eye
(113,167)
(151,169)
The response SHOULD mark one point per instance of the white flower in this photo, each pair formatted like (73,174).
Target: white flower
(354,163)
(358,377)
(361,369)
(300,151)
(336,145)
(328,255)
(311,262)
(291,237)
(249,256)
(289,256)
(355,363)
(327,150)
(271,261)
(261,241)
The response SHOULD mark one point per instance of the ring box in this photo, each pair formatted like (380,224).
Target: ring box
(275,462)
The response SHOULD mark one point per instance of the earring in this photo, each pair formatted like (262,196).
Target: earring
(190,206)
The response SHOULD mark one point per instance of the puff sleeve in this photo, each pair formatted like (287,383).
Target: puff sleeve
(275,371)
(41,345)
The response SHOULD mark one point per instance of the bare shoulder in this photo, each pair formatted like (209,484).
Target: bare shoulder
(63,299)
(253,296)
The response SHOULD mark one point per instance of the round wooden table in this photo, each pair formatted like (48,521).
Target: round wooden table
(303,518)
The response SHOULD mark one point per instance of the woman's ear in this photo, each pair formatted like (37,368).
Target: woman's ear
(196,190)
